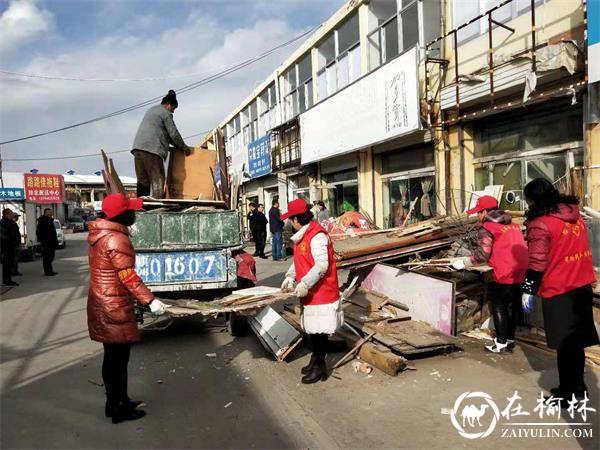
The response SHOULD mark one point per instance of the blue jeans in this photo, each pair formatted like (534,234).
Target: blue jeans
(277,245)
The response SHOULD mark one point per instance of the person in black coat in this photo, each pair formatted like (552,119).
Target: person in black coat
(260,230)
(276,225)
(46,235)
(10,240)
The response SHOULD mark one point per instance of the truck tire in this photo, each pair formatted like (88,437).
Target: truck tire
(237,325)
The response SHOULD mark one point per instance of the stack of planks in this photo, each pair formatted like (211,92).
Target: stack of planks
(379,331)
(366,248)
(536,341)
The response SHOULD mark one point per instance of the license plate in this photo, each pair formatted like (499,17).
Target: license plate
(181,267)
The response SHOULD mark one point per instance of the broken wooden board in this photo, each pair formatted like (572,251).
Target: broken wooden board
(188,176)
(275,333)
(189,307)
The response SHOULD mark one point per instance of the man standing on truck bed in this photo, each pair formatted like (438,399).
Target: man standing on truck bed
(151,146)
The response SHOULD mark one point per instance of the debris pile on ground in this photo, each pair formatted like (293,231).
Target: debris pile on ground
(347,225)
(381,330)
(382,245)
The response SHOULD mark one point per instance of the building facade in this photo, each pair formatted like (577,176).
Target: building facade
(401,109)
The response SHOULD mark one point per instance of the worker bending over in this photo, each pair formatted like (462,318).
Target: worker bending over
(314,276)
(500,244)
(155,136)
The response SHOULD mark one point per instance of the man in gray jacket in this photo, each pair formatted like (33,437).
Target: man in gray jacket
(151,146)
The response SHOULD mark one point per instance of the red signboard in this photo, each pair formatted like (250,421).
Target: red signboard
(44,188)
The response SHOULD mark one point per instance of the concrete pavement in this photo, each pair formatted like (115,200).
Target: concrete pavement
(49,371)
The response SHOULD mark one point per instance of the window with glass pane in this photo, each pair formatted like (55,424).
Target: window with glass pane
(482,178)
(509,175)
(400,194)
(304,69)
(382,10)
(301,99)
(348,34)
(409,19)
(331,80)
(390,36)
(374,47)
(322,85)
(309,94)
(354,63)
(541,129)
(343,69)
(462,12)
(326,52)
(550,168)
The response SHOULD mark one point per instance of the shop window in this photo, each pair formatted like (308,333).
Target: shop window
(408,199)
(514,175)
(341,192)
(541,129)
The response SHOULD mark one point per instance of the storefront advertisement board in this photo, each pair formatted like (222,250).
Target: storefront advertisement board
(380,106)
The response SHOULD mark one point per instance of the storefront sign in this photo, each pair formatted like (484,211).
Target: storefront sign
(259,157)
(9,193)
(381,106)
(593,19)
(44,188)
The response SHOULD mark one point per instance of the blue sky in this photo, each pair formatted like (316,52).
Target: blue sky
(130,39)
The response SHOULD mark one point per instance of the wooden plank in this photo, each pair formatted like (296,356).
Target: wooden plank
(352,351)
(418,334)
(377,355)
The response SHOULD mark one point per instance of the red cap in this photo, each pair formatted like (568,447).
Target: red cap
(485,202)
(115,204)
(294,208)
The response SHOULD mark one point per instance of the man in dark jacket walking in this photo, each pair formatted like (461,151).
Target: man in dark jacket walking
(46,235)
(276,227)
(156,133)
(10,240)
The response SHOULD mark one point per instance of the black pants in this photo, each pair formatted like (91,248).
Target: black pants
(260,240)
(8,258)
(114,372)
(319,344)
(506,299)
(570,360)
(48,251)
(150,173)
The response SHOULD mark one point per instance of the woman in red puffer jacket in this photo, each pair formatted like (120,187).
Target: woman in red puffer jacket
(560,271)
(113,286)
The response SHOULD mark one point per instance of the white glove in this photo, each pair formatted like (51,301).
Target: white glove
(288,284)
(527,302)
(301,290)
(157,307)
(458,264)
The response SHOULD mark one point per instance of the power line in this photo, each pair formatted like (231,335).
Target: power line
(181,90)
(71,78)
(88,155)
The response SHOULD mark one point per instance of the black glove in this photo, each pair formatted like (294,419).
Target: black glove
(533,279)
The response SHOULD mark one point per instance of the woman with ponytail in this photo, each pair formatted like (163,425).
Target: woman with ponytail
(560,272)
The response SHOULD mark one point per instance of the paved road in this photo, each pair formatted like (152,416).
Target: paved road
(241,399)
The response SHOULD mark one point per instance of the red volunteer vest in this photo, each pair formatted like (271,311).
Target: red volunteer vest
(326,290)
(509,253)
(570,266)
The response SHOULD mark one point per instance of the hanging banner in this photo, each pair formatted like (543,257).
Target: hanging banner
(259,157)
(9,193)
(593,22)
(378,107)
(44,188)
